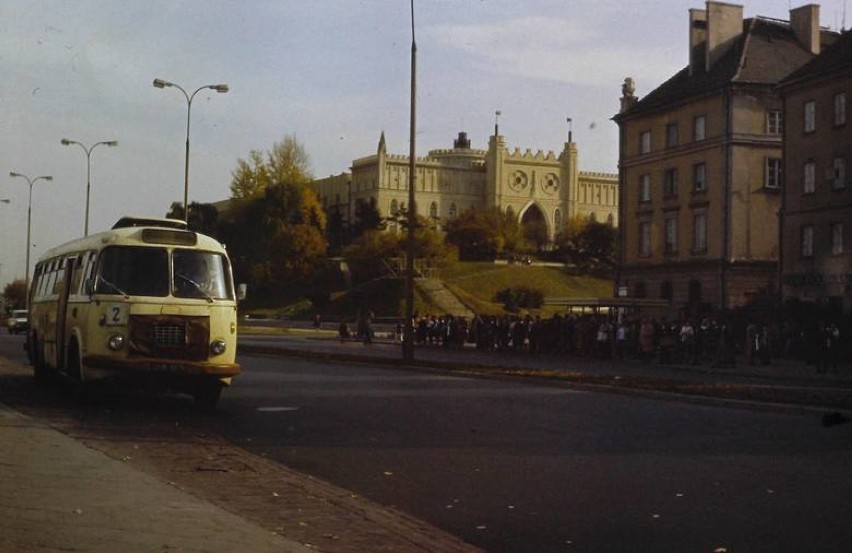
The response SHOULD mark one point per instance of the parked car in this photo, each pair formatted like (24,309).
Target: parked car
(18,321)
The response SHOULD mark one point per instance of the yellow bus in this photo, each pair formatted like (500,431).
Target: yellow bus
(147,300)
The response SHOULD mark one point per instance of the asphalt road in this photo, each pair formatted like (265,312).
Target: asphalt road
(515,467)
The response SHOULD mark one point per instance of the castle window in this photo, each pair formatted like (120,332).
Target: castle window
(773,122)
(671,135)
(699,128)
(810,116)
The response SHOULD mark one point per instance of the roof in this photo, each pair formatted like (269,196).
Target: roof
(836,58)
(764,54)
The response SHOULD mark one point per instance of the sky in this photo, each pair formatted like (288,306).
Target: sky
(333,73)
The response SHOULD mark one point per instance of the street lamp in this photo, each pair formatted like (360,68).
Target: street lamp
(31,182)
(110,143)
(221,89)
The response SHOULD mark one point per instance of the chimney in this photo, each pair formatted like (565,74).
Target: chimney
(805,23)
(697,40)
(724,26)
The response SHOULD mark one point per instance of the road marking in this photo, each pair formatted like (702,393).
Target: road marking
(276,409)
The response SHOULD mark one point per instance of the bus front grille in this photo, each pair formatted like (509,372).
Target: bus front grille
(169,335)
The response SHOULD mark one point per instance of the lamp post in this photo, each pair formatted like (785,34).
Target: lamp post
(31,182)
(221,89)
(110,143)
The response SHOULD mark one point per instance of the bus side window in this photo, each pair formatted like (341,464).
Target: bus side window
(89,272)
(78,269)
(59,275)
(34,285)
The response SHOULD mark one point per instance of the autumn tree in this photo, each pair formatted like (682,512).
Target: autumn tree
(286,162)
(587,243)
(485,234)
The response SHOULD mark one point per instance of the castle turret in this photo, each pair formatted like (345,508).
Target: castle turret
(495,158)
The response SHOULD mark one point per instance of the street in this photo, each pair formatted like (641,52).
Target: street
(509,466)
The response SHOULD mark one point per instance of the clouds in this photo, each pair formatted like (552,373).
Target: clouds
(551,49)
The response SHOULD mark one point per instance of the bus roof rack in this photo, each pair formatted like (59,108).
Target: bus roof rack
(134,221)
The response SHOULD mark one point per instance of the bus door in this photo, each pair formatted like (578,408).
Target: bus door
(62,309)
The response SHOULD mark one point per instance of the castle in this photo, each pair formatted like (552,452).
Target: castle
(543,190)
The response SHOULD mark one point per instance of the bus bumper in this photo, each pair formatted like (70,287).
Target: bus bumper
(177,367)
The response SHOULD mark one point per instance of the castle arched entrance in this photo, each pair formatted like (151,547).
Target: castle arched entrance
(534,226)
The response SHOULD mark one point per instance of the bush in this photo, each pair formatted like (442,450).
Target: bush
(520,297)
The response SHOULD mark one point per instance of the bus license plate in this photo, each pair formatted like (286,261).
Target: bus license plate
(165,367)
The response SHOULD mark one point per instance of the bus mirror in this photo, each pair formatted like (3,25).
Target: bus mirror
(241,291)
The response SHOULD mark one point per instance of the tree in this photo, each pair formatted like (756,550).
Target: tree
(203,218)
(15,293)
(481,235)
(365,254)
(584,242)
(287,162)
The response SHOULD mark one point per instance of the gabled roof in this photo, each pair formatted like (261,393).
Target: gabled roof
(765,53)
(836,58)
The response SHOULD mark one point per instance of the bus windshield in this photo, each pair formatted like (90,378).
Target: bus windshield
(200,274)
(133,271)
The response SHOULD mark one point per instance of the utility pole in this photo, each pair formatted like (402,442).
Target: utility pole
(408,335)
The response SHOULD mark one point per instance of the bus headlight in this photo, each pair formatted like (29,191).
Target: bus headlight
(115,342)
(218,347)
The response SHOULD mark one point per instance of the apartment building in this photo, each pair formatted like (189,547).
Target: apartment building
(700,162)
(816,232)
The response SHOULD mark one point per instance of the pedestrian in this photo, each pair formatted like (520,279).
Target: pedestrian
(688,342)
(751,343)
(622,339)
(343,329)
(317,321)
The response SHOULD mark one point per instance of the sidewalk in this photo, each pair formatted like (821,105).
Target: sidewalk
(775,383)
(59,495)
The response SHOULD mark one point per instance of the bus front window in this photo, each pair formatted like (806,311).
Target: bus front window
(200,275)
(133,271)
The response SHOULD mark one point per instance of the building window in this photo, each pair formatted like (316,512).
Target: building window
(670,183)
(810,116)
(773,173)
(837,238)
(666,290)
(807,239)
(840,109)
(433,210)
(694,292)
(645,238)
(839,176)
(453,210)
(809,178)
(645,142)
(773,122)
(699,177)
(699,128)
(699,233)
(671,135)
(640,290)
(645,188)
(671,235)
(557,220)
(394,208)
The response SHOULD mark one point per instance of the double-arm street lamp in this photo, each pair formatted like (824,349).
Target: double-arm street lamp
(31,182)
(66,142)
(221,89)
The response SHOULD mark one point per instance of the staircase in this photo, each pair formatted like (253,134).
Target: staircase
(440,296)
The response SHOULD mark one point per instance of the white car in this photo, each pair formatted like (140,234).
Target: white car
(18,321)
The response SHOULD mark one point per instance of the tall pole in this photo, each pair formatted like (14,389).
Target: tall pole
(31,182)
(221,89)
(67,142)
(408,337)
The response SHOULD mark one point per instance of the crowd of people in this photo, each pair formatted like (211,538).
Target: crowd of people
(644,338)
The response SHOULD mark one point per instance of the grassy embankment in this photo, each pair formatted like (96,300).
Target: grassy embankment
(475,283)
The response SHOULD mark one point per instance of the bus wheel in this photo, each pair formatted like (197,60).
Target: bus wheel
(206,394)
(40,371)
